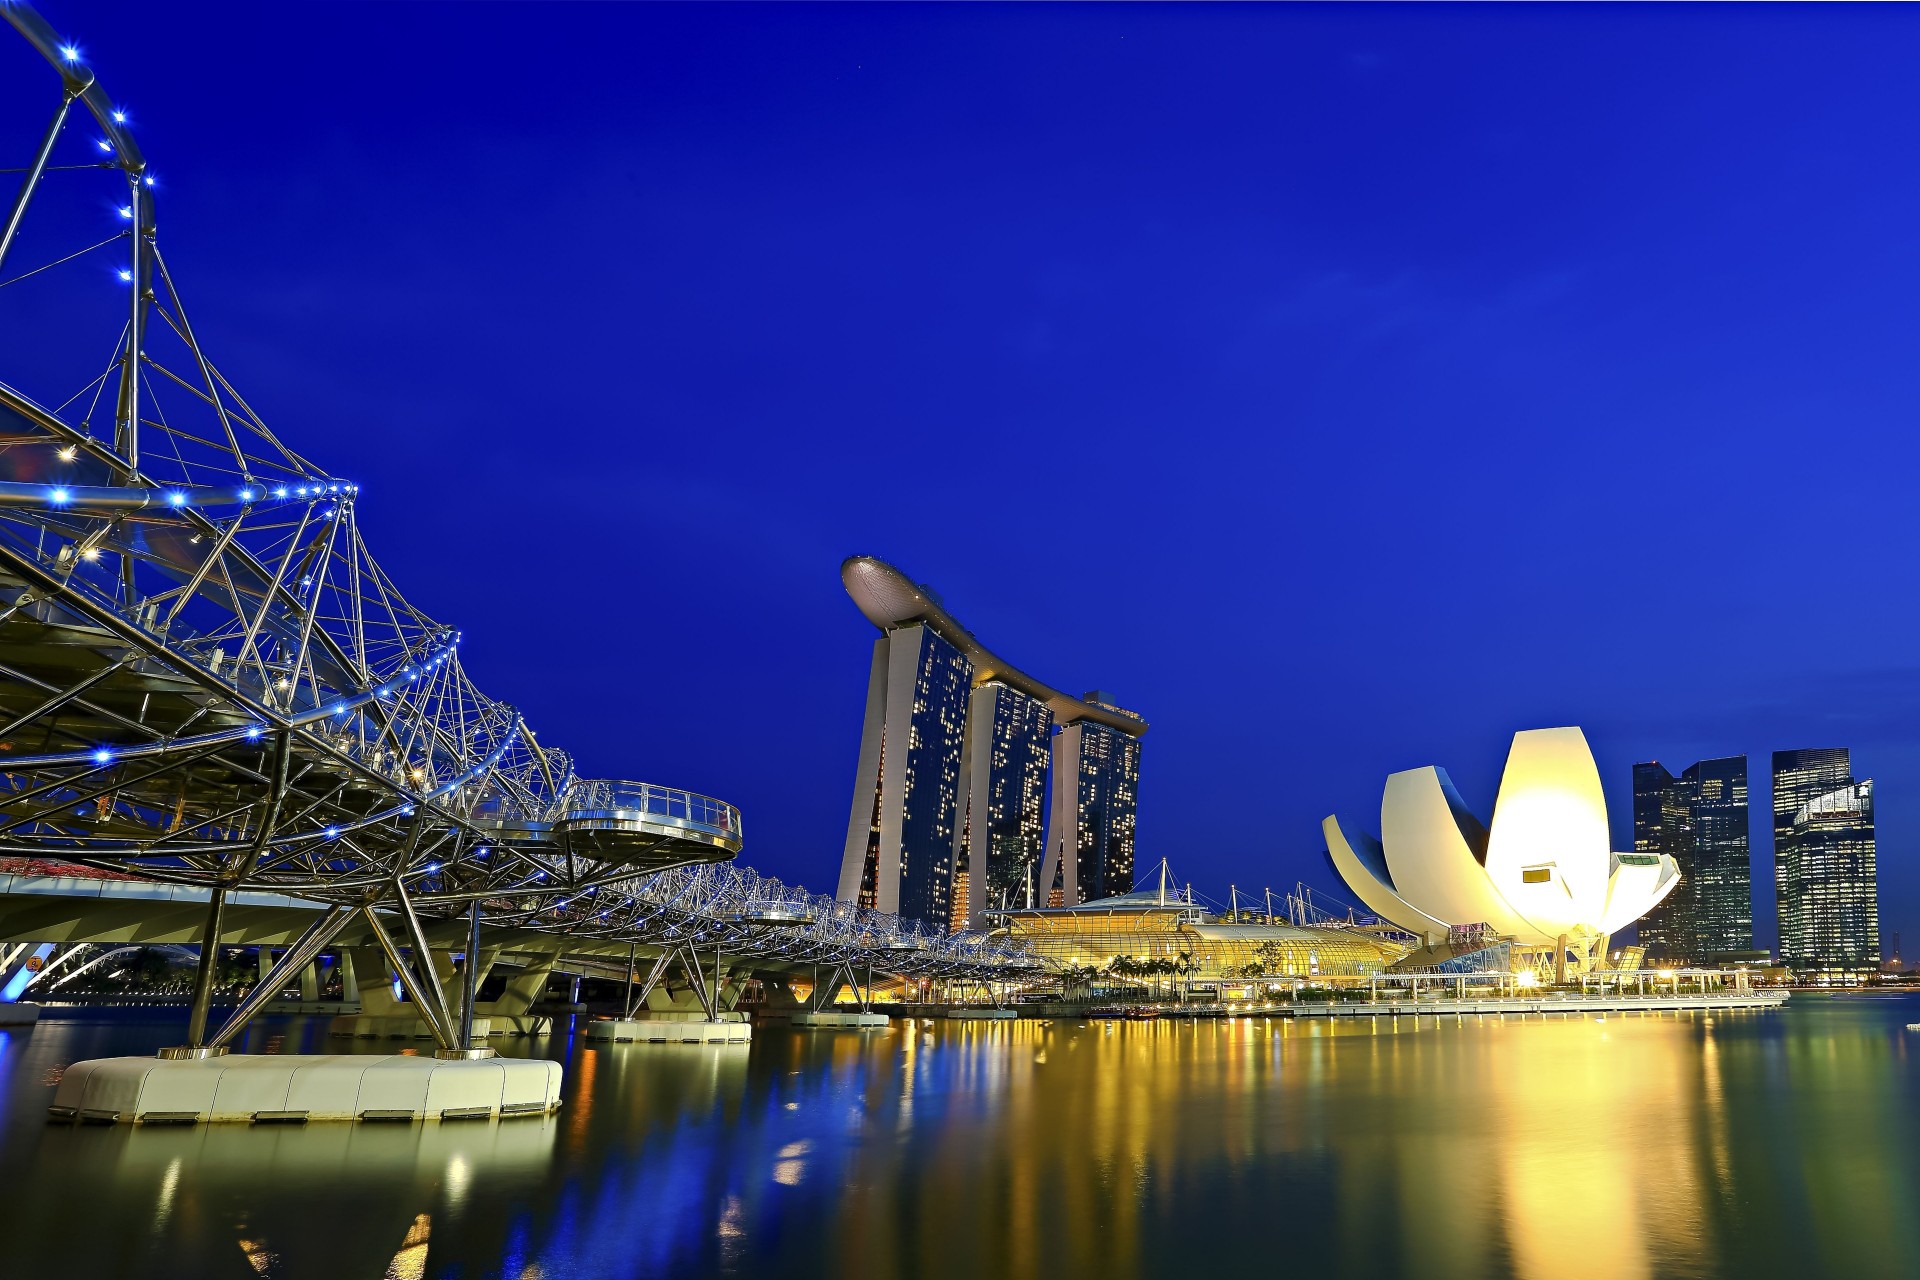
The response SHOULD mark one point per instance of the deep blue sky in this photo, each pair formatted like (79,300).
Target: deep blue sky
(1343,388)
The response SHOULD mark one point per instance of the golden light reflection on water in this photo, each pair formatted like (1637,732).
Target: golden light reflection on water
(1636,1147)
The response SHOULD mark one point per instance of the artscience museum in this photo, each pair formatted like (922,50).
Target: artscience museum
(1541,876)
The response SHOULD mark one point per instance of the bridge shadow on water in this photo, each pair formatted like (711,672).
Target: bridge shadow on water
(1749,1144)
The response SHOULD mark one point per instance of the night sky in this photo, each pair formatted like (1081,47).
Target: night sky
(1344,389)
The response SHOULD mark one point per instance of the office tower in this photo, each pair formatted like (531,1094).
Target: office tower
(899,851)
(1003,785)
(1825,868)
(1700,818)
(1096,777)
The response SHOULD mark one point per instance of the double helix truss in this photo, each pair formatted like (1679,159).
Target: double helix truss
(207,678)
(743,913)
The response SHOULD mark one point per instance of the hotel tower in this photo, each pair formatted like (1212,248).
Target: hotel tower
(958,753)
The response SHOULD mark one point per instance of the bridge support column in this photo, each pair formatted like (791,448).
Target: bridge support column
(310,982)
(298,956)
(204,975)
(429,1001)
(349,980)
(470,987)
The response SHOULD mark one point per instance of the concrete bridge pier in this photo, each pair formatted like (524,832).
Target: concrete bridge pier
(821,1013)
(701,1012)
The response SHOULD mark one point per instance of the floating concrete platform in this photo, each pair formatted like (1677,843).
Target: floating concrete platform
(969,1013)
(834,1021)
(668,1031)
(19,1015)
(295,1088)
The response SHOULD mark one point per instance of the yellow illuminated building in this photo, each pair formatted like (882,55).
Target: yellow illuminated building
(1124,934)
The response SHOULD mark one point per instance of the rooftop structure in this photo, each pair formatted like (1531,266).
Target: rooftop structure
(1155,925)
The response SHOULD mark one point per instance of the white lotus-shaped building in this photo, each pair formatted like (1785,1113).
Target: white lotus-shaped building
(1542,874)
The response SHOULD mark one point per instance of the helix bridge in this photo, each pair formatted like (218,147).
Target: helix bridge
(207,679)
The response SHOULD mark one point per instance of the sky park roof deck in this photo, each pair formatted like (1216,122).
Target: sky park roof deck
(890,599)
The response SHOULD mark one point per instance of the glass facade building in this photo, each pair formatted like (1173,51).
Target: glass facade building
(1700,818)
(1825,866)
(1003,784)
(1090,841)
(900,837)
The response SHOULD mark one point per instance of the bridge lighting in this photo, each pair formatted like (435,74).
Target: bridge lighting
(253,733)
(333,833)
(90,555)
(104,145)
(67,454)
(149,179)
(126,276)
(70,52)
(126,211)
(102,756)
(176,499)
(60,496)
(119,117)
(432,867)
(281,492)
(246,495)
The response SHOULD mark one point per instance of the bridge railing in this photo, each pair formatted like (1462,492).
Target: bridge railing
(614,799)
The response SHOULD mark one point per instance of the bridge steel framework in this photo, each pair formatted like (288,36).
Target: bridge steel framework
(207,679)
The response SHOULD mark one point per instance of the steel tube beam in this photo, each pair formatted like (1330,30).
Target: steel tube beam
(34,173)
(470,986)
(297,957)
(423,959)
(441,1035)
(203,976)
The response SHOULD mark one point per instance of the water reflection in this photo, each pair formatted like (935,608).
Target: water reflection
(1631,1147)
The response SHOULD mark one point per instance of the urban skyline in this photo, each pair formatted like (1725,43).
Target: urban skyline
(1701,819)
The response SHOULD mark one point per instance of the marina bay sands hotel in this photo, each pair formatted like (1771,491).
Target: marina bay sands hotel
(953,815)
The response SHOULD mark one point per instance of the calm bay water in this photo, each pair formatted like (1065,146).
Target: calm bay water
(1753,1144)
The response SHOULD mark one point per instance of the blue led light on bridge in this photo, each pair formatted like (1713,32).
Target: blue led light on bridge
(70,52)
(126,211)
(176,499)
(60,495)
(102,755)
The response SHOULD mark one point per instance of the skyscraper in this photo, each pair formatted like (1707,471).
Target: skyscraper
(1003,784)
(1700,818)
(1825,866)
(1096,782)
(949,812)
(899,853)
